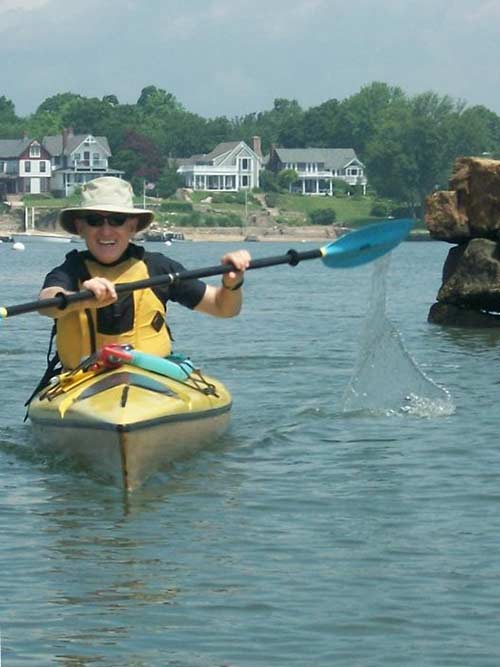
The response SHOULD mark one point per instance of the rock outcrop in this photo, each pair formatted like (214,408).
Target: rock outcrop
(468,215)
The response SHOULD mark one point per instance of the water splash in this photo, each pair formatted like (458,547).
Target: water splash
(386,378)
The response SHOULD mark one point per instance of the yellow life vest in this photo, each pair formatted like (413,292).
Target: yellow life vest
(79,334)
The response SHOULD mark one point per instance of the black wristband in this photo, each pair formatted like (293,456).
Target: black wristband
(234,287)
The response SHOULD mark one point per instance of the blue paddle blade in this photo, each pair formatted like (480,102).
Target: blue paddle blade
(365,244)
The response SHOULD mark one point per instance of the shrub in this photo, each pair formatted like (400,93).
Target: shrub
(189,220)
(268,181)
(407,212)
(286,178)
(322,216)
(271,199)
(230,197)
(380,209)
(175,206)
(340,187)
(197,219)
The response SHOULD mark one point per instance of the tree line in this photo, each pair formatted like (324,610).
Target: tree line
(407,143)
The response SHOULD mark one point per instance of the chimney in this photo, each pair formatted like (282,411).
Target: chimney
(257,146)
(64,139)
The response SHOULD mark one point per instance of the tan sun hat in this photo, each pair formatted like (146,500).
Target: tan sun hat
(110,195)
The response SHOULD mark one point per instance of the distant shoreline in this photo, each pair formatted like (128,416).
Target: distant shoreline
(312,233)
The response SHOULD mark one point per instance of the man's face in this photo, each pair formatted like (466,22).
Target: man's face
(106,242)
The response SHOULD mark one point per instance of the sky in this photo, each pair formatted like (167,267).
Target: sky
(233,57)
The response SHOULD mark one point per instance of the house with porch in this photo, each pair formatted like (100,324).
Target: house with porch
(229,167)
(25,167)
(77,159)
(317,168)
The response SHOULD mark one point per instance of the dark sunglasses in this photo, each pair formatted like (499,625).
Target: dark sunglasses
(113,219)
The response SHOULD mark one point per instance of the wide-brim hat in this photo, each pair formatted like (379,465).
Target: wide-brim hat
(110,195)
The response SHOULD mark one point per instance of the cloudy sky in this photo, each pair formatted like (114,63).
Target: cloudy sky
(232,57)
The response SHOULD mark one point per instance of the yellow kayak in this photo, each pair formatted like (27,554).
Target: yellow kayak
(127,421)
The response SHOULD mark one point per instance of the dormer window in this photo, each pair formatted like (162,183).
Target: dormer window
(35,150)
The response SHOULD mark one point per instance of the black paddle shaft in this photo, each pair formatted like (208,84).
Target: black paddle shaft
(292,257)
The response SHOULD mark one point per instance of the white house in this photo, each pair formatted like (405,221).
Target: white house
(25,167)
(318,167)
(231,166)
(77,159)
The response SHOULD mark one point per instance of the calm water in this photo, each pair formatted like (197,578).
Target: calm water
(309,536)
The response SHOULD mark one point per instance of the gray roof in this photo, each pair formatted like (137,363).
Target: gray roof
(333,158)
(54,144)
(220,149)
(207,158)
(13,147)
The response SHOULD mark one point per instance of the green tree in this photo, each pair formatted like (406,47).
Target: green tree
(169,181)
(268,181)
(58,104)
(286,178)
(128,161)
(157,101)
(360,115)
(111,99)
(7,110)
(283,124)
(322,216)
(411,152)
(87,114)
(321,124)
(11,126)
(475,131)
(43,123)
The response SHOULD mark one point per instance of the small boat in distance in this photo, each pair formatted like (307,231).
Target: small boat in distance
(43,237)
(162,235)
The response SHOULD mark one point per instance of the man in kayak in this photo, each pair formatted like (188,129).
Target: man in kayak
(107,220)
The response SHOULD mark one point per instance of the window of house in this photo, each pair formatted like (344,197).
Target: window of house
(43,166)
(244,181)
(34,150)
(27,166)
(244,164)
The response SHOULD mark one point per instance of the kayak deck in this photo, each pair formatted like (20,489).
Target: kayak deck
(126,423)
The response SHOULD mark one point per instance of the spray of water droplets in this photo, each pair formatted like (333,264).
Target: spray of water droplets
(386,378)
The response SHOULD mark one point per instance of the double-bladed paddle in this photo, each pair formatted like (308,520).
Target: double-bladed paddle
(359,247)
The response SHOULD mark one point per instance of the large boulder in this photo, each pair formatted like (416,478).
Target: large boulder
(449,315)
(471,206)
(444,219)
(477,184)
(471,276)
(468,214)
